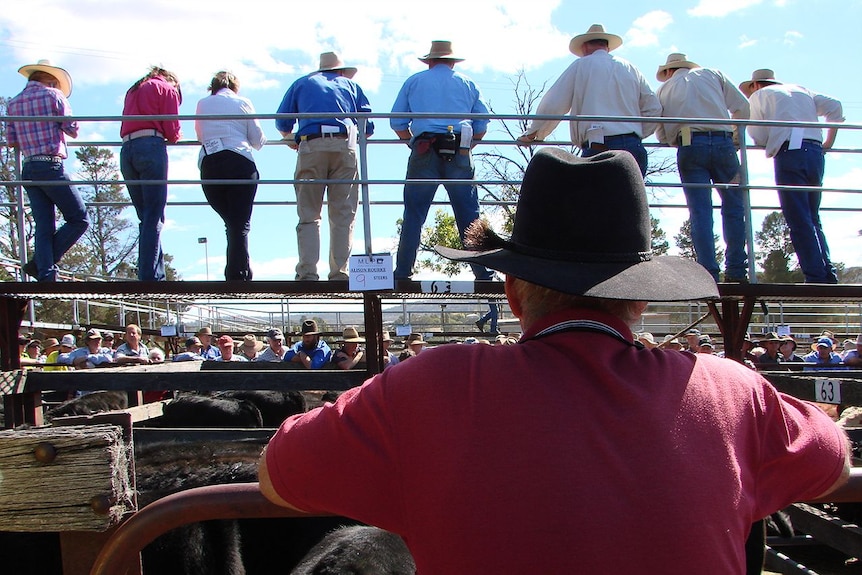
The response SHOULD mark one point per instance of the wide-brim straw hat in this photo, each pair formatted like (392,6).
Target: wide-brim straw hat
(761,75)
(332,62)
(582,227)
(251,342)
(674,61)
(440,50)
(415,339)
(596,32)
(64,80)
(350,335)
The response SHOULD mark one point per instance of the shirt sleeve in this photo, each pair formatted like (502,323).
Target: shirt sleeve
(829,108)
(362,105)
(480,126)
(759,111)
(287,106)
(64,109)
(336,458)
(557,101)
(796,435)
(254,131)
(401,105)
(170,104)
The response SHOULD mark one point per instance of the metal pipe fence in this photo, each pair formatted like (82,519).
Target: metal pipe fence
(369,152)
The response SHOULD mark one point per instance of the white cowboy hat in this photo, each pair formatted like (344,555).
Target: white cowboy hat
(440,50)
(596,32)
(332,62)
(762,75)
(674,61)
(64,80)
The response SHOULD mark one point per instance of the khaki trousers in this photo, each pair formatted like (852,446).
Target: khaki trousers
(328,159)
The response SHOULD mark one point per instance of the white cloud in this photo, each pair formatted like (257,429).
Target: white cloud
(645,29)
(720,8)
(196,38)
(746,42)
(791,37)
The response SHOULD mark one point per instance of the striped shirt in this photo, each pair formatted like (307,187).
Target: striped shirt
(37,138)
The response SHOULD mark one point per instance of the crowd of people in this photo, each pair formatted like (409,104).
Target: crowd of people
(768,350)
(597,83)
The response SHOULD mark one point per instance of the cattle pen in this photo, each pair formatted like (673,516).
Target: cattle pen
(109,548)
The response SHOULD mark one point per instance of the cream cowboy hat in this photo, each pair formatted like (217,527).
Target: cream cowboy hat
(762,75)
(596,32)
(64,80)
(674,61)
(440,50)
(350,335)
(332,62)
(251,342)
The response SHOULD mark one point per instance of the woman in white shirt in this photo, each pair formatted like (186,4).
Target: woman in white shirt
(226,154)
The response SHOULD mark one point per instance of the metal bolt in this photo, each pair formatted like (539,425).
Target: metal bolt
(45,452)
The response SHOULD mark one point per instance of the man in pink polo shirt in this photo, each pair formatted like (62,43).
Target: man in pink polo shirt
(575,450)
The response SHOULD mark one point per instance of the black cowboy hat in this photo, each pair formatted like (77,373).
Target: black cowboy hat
(582,227)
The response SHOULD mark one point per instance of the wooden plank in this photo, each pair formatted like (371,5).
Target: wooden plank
(831,531)
(64,478)
(187,376)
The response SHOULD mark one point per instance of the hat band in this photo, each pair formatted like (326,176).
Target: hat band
(583,257)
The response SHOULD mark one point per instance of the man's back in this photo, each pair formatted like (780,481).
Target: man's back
(582,452)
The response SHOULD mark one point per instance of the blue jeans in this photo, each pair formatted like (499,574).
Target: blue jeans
(712,159)
(51,244)
(493,316)
(464,198)
(233,202)
(628,142)
(804,167)
(147,159)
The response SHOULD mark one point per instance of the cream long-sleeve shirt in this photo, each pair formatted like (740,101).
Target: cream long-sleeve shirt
(598,85)
(791,103)
(239,136)
(699,93)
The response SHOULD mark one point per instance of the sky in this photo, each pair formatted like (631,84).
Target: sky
(108,46)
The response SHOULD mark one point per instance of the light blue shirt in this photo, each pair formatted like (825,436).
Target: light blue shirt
(439,90)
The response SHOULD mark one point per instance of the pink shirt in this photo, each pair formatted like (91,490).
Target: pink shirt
(571,453)
(153,97)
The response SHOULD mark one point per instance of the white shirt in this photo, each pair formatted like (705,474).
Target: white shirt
(791,103)
(698,93)
(598,85)
(239,136)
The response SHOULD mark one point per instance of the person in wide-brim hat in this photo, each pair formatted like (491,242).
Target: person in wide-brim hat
(332,62)
(350,335)
(763,76)
(64,80)
(674,62)
(596,32)
(440,50)
(582,227)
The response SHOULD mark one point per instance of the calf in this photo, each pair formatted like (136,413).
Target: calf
(274,406)
(89,404)
(202,411)
(358,550)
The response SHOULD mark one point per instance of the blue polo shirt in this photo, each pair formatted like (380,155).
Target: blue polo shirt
(322,92)
(319,355)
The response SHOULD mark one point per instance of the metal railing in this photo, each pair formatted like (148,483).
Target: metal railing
(370,164)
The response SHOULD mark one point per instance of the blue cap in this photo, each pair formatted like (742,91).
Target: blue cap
(824,342)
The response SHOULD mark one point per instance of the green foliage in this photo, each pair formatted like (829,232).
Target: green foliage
(775,250)
(658,242)
(10,246)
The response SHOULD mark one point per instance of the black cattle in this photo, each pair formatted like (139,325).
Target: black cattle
(89,404)
(274,406)
(201,411)
(358,550)
(209,547)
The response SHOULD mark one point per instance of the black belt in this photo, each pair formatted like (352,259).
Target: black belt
(43,158)
(713,134)
(432,135)
(810,142)
(602,147)
(337,135)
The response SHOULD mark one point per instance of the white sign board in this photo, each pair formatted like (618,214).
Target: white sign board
(827,390)
(371,272)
